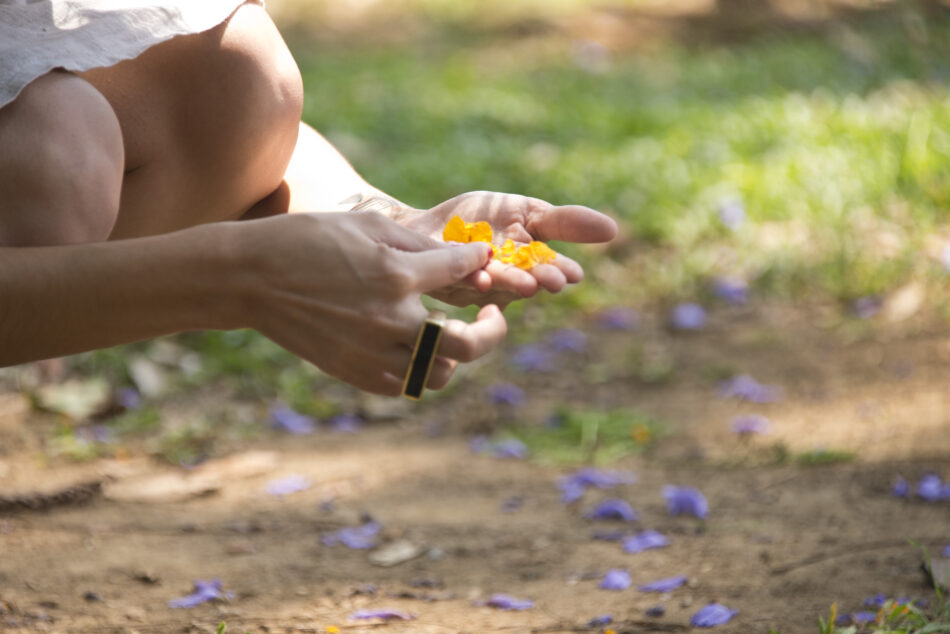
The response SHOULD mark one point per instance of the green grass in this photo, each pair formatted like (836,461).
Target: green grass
(842,163)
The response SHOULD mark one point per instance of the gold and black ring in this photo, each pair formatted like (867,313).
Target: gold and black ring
(423,355)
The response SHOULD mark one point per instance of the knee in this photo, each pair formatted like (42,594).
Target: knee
(61,164)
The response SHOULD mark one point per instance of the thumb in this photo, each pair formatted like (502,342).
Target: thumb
(446,265)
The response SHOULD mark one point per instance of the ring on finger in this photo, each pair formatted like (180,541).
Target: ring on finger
(423,355)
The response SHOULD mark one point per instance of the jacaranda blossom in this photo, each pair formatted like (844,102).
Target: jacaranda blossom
(946,550)
(745,388)
(731,290)
(877,601)
(567,340)
(572,486)
(505,394)
(930,488)
(506,602)
(288,485)
(616,579)
(204,591)
(510,448)
(290,421)
(712,615)
(750,424)
(647,540)
(356,537)
(600,621)
(688,316)
(533,357)
(900,489)
(613,509)
(685,501)
(386,615)
(663,585)
(619,318)
(856,618)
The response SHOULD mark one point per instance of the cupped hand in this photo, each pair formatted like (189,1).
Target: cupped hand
(343,291)
(522,219)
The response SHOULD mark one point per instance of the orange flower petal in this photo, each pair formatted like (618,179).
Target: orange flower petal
(456,231)
(481,232)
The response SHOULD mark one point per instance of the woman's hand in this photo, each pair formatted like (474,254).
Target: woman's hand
(343,292)
(522,219)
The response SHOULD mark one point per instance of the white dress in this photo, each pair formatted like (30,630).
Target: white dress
(37,36)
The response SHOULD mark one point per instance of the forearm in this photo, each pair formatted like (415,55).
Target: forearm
(68,299)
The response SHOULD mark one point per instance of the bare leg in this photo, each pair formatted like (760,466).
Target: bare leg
(61,161)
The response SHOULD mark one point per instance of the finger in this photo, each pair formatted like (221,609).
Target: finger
(549,277)
(466,342)
(442,370)
(572,271)
(436,268)
(511,278)
(570,223)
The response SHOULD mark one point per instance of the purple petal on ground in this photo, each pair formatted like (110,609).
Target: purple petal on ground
(288,485)
(356,537)
(129,398)
(866,307)
(204,591)
(386,615)
(712,615)
(608,536)
(509,448)
(663,585)
(946,550)
(746,388)
(601,478)
(512,504)
(346,423)
(568,340)
(613,509)
(619,318)
(656,611)
(750,425)
(533,357)
(616,579)
(647,540)
(685,501)
(877,601)
(688,316)
(600,621)
(732,214)
(505,394)
(571,492)
(864,616)
(290,421)
(479,444)
(930,488)
(731,290)
(900,489)
(506,602)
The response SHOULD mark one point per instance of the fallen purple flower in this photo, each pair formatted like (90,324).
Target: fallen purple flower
(688,316)
(505,394)
(510,448)
(647,540)
(856,618)
(506,602)
(532,357)
(615,579)
(930,488)
(385,615)
(356,537)
(346,423)
(877,601)
(479,444)
(613,509)
(600,621)
(900,489)
(732,214)
(751,425)
(656,611)
(571,492)
(867,307)
(573,485)
(946,551)
(204,591)
(746,388)
(288,485)
(568,340)
(712,615)
(663,585)
(129,398)
(731,290)
(685,501)
(292,422)
(619,318)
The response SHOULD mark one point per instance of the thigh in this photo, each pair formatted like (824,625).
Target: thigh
(209,123)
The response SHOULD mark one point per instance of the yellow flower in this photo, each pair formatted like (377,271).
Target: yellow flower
(524,256)
(333,629)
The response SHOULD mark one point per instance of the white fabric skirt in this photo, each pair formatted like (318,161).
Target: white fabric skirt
(37,36)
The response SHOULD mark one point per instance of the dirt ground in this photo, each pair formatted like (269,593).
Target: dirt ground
(782,542)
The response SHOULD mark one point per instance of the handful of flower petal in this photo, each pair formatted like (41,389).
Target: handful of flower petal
(525,256)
